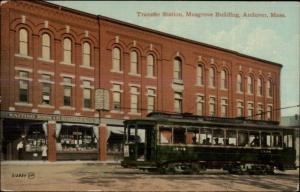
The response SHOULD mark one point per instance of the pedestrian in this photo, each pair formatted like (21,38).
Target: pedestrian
(44,152)
(20,149)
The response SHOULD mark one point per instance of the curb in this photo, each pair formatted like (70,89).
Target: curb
(76,162)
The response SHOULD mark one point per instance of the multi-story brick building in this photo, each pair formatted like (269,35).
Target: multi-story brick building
(53,59)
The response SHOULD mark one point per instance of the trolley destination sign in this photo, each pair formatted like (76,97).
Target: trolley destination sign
(44,117)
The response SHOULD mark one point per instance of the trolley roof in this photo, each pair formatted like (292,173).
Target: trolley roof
(188,119)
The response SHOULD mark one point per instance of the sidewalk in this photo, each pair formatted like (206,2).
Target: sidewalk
(59,162)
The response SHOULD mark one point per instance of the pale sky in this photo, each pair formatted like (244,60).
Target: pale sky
(275,39)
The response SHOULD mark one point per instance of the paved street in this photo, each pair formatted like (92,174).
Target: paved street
(96,176)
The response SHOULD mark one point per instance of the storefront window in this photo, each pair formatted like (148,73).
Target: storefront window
(76,138)
(35,139)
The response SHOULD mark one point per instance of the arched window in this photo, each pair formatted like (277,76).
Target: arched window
(116,59)
(86,54)
(259,87)
(67,50)
(23,42)
(269,88)
(46,46)
(250,85)
(199,75)
(134,62)
(224,80)
(212,77)
(239,83)
(150,66)
(177,68)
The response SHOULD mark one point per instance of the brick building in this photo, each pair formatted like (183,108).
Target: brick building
(53,59)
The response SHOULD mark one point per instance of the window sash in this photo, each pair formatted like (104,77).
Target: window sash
(116,59)
(116,100)
(23,42)
(178,105)
(199,75)
(200,107)
(150,65)
(67,95)
(46,93)
(239,83)
(177,73)
(87,101)
(150,104)
(224,110)
(23,74)
(134,103)
(224,80)
(46,52)
(23,91)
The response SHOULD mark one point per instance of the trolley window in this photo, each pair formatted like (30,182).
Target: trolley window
(205,136)
(179,135)
(165,135)
(254,139)
(192,135)
(218,136)
(266,139)
(277,139)
(131,134)
(288,140)
(231,138)
(243,138)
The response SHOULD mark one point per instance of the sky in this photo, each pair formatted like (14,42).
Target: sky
(275,39)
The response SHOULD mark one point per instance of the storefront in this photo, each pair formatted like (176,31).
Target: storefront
(77,141)
(23,140)
(115,136)
(24,136)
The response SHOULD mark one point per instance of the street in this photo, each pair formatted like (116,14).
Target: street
(95,176)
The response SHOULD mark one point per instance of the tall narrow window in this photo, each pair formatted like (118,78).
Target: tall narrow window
(67,91)
(87,98)
(134,62)
(116,97)
(269,112)
(250,85)
(116,59)
(224,107)
(86,54)
(46,46)
(239,83)
(67,50)
(224,80)
(212,106)
(240,109)
(200,75)
(150,66)
(178,102)
(23,42)
(200,105)
(250,110)
(134,99)
(46,89)
(269,88)
(24,86)
(212,77)
(259,87)
(177,68)
(260,112)
(151,100)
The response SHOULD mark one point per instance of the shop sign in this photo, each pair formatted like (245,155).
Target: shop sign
(101,99)
(44,117)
